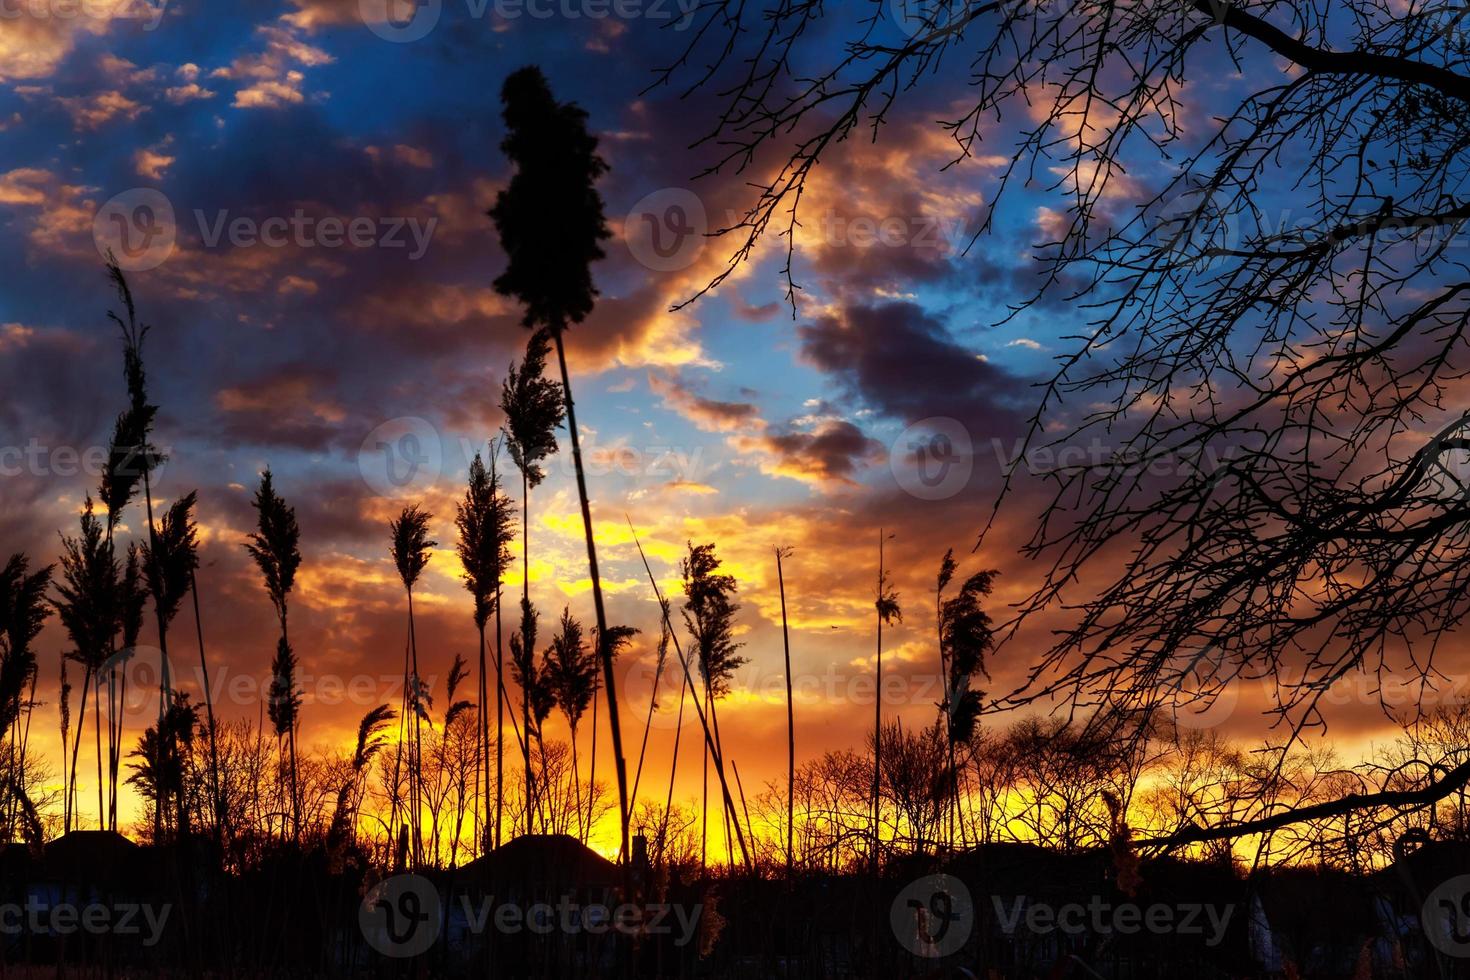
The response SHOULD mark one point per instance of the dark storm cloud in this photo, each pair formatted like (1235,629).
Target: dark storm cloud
(832,452)
(902,362)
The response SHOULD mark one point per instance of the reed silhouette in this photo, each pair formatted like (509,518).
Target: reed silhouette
(274,547)
(551,225)
(410,547)
(534,407)
(486,523)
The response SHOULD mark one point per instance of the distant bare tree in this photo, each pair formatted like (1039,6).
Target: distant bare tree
(1201,782)
(672,838)
(1060,774)
(916,783)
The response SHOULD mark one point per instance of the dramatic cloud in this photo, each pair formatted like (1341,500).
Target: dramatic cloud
(831,452)
(708,414)
(901,361)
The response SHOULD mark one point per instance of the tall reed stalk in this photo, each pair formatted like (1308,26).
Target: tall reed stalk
(410,549)
(709,741)
(885,602)
(486,524)
(88,609)
(790,717)
(551,223)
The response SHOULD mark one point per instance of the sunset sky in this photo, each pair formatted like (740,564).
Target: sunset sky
(729,420)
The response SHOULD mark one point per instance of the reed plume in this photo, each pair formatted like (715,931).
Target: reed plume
(571,673)
(131,458)
(275,546)
(410,547)
(965,638)
(162,768)
(171,557)
(537,698)
(370,741)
